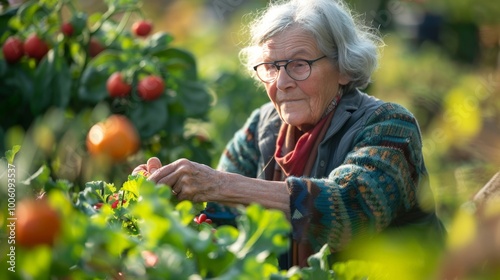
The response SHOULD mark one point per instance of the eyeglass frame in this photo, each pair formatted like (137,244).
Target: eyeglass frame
(286,61)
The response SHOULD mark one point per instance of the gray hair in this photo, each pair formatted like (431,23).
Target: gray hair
(351,45)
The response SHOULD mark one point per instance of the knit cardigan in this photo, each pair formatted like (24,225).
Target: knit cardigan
(368,176)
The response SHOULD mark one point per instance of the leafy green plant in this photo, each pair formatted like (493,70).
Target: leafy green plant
(139,230)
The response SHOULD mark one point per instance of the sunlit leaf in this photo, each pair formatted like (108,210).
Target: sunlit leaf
(10,154)
(131,186)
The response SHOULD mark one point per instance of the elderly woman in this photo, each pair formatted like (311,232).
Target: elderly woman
(339,163)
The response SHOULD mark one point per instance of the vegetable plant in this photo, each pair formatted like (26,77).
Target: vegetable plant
(84,67)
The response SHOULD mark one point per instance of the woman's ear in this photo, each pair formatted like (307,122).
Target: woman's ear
(344,79)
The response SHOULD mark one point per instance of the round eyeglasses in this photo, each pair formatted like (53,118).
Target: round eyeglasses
(297,69)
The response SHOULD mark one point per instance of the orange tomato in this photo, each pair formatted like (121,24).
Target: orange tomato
(115,138)
(37,223)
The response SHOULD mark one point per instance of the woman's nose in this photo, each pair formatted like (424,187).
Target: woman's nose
(283,80)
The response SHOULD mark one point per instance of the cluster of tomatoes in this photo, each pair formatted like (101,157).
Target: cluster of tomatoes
(150,87)
(14,48)
(113,199)
(202,218)
(35,47)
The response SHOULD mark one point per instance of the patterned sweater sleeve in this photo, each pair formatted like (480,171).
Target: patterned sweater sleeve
(376,183)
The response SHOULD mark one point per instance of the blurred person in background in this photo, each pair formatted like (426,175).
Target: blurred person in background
(340,164)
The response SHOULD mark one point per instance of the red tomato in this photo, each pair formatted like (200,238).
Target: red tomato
(67,29)
(35,47)
(95,47)
(117,87)
(37,223)
(142,28)
(115,204)
(151,87)
(13,49)
(115,138)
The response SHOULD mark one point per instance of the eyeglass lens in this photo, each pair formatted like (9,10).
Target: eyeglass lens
(296,69)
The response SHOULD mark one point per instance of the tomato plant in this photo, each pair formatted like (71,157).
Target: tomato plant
(71,56)
(139,230)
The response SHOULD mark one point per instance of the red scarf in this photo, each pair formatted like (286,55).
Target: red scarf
(293,161)
(296,150)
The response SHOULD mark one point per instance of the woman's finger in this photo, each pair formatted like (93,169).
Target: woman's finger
(139,169)
(153,164)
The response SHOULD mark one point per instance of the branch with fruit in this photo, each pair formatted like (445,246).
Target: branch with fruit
(90,68)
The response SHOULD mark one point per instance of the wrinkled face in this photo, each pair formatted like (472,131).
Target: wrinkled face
(301,103)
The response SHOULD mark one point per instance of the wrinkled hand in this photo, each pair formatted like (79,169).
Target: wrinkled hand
(148,168)
(188,180)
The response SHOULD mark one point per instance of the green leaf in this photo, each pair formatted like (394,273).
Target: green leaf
(195,98)
(226,235)
(262,232)
(17,80)
(28,11)
(158,42)
(4,20)
(10,154)
(52,83)
(319,267)
(179,63)
(132,186)
(149,117)
(79,22)
(93,86)
(184,208)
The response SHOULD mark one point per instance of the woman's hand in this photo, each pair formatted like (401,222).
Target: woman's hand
(200,183)
(188,180)
(148,168)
